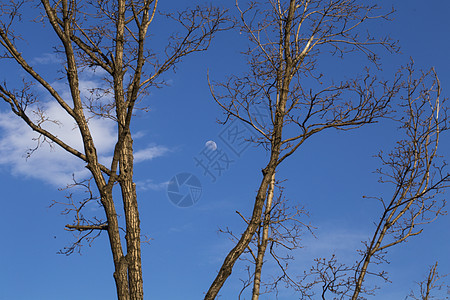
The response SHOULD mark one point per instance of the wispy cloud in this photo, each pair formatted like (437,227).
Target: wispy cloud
(50,163)
(149,153)
(138,134)
(339,241)
(334,240)
(46,58)
(149,184)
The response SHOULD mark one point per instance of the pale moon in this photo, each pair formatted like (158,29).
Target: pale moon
(211,145)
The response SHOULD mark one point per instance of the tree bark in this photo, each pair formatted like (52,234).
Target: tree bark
(262,246)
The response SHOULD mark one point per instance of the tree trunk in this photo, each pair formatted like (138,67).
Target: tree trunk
(262,246)
(132,221)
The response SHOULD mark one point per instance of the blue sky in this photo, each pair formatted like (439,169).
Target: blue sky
(328,175)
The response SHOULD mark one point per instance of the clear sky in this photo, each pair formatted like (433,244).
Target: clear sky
(328,175)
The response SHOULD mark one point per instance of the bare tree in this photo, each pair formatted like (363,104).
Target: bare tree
(331,276)
(287,39)
(110,36)
(418,177)
(280,233)
(429,285)
(280,230)
(413,168)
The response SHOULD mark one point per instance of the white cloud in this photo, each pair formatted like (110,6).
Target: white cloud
(53,164)
(138,134)
(334,240)
(46,58)
(50,163)
(149,153)
(148,184)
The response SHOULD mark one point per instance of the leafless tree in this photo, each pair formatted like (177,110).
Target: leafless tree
(280,230)
(111,36)
(324,277)
(417,175)
(430,284)
(287,39)
(413,168)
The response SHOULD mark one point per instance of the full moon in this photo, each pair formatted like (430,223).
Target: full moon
(211,145)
